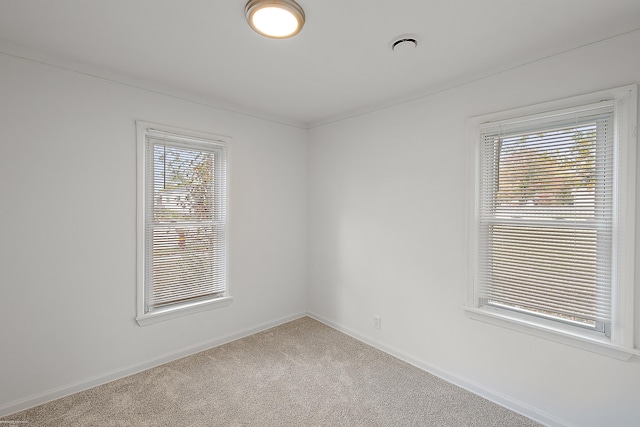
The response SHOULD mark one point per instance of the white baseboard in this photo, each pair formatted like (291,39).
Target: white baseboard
(475,388)
(103,378)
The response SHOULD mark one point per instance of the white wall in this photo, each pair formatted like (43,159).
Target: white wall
(388,218)
(68,230)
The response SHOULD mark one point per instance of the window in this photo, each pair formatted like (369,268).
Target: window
(182,222)
(553,217)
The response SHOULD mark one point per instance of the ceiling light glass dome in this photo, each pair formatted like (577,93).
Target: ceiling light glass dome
(278,19)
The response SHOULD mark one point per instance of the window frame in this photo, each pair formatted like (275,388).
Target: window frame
(620,344)
(144,317)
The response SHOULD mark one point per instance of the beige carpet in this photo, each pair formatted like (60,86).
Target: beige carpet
(302,373)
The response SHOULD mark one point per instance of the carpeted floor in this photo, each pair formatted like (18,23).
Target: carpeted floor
(302,373)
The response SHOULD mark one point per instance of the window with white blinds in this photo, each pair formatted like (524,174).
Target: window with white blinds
(184,230)
(545,217)
(553,217)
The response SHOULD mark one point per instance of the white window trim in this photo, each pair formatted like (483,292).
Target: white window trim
(620,345)
(147,318)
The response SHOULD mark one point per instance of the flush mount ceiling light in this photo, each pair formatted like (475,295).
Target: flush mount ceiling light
(278,19)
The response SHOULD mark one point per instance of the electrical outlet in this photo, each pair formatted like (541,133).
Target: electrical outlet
(377,322)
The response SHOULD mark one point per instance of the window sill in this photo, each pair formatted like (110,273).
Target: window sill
(557,333)
(182,310)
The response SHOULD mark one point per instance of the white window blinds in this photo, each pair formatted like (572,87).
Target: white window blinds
(185,241)
(546,193)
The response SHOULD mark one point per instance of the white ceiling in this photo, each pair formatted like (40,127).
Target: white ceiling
(339,65)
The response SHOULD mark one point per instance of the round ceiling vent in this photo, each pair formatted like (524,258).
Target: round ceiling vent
(405,42)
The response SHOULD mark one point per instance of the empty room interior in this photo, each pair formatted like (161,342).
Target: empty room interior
(448,184)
